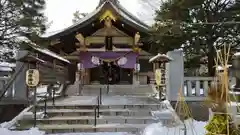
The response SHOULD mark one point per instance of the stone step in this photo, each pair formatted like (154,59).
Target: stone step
(126,91)
(118,89)
(237,119)
(72,106)
(91,112)
(66,128)
(101,120)
(116,93)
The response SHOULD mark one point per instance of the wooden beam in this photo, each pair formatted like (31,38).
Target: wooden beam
(144,57)
(71,57)
(94,40)
(123,40)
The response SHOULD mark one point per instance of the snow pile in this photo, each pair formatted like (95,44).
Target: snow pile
(193,128)
(32,131)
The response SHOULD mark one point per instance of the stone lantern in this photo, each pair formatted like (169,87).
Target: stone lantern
(160,60)
(235,92)
(236,71)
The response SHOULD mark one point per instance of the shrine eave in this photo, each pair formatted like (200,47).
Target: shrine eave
(123,14)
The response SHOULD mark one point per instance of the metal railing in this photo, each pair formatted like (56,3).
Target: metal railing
(96,112)
(100,96)
(97,107)
(45,97)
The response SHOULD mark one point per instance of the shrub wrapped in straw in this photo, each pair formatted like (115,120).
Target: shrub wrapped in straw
(221,122)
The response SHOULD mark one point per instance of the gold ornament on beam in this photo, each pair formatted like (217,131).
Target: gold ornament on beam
(81,39)
(136,41)
(82,49)
(108,22)
(136,49)
(107,14)
(136,38)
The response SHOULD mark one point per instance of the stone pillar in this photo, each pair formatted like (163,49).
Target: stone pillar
(20,83)
(235,93)
(174,75)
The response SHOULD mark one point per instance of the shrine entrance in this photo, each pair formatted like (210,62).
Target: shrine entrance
(110,73)
(109,67)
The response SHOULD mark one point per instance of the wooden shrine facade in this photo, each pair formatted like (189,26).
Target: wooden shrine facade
(107,42)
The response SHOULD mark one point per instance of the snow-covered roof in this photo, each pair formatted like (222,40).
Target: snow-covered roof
(117,7)
(50,53)
(219,68)
(84,19)
(237,54)
(160,57)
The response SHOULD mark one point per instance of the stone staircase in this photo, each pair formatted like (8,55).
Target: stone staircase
(67,118)
(122,109)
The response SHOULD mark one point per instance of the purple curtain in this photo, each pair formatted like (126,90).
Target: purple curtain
(86,57)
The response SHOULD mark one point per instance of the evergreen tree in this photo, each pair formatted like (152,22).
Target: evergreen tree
(197,26)
(21,22)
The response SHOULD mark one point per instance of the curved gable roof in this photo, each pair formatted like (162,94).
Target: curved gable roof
(125,15)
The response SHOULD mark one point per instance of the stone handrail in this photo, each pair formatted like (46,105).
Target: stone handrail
(198,86)
(3,82)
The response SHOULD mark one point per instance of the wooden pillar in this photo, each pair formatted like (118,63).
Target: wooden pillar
(87,76)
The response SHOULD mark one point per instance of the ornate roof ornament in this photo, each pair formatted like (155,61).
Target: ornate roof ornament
(108,22)
(107,15)
(112,9)
(112,1)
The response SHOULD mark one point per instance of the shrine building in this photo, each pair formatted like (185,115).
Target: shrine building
(109,43)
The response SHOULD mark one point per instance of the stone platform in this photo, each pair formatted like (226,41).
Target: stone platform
(129,114)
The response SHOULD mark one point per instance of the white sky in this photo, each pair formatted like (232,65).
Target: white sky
(60,12)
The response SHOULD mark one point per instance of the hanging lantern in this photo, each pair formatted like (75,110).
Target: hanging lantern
(137,67)
(80,66)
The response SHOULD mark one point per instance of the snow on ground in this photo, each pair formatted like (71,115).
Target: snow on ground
(193,128)
(32,131)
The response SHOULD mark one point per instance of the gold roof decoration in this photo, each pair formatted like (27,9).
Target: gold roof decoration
(108,15)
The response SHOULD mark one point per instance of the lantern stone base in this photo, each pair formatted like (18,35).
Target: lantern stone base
(234,96)
(234,112)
